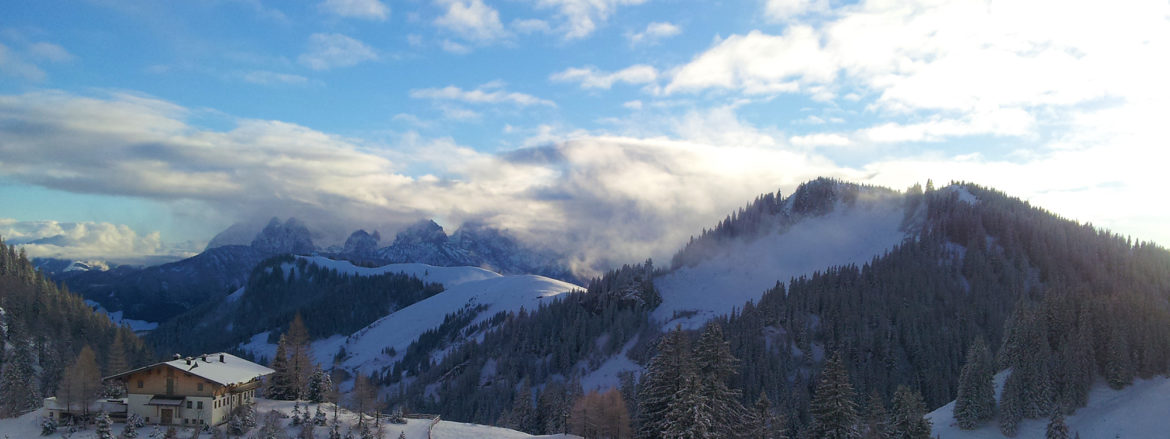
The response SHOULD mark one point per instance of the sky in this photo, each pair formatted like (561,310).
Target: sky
(611,129)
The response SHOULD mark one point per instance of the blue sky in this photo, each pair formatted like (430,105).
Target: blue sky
(616,127)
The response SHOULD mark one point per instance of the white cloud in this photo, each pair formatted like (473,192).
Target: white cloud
(486,94)
(328,51)
(758,63)
(820,139)
(84,240)
(50,52)
(609,198)
(366,9)
(13,64)
(472,20)
(782,10)
(531,26)
(264,77)
(653,33)
(590,77)
(633,105)
(580,18)
(453,47)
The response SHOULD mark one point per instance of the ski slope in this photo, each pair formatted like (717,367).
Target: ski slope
(1137,411)
(744,270)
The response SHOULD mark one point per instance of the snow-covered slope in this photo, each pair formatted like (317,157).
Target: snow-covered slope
(743,270)
(399,329)
(1137,411)
(465,287)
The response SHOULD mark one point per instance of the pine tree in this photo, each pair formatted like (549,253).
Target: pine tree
(280,384)
(1010,406)
(296,414)
(665,377)
(319,417)
(130,429)
(103,426)
(833,408)
(975,402)
(1119,370)
(1056,426)
(522,417)
(19,392)
(907,413)
(689,416)
(320,385)
(716,366)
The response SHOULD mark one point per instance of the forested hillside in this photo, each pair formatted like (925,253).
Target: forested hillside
(1042,292)
(279,288)
(43,327)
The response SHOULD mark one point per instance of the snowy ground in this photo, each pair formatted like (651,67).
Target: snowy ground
(28,426)
(849,234)
(1137,411)
(138,326)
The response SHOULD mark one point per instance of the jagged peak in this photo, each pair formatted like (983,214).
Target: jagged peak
(423,231)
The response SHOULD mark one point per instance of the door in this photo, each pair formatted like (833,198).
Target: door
(166,416)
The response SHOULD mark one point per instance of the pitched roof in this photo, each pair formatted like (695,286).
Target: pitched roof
(232,370)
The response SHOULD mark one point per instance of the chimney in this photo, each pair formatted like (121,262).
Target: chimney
(177,356)
(188,361)
(204,358)
(221,358)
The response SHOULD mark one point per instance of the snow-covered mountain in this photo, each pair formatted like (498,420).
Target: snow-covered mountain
(290,237)
(824,223)
(472,245)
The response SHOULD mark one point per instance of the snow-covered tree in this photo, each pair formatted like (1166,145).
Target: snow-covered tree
(280,383)
(296,413)
(975,402)
(1057,429)
(319,417)
(907,413)
(833,409)
(130,429)
(48,426)
(320,385)
(664,378)
(716,365)
(103,424)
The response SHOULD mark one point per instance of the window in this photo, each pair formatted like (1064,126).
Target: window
(148,419)
(200,387)
(188,404)
(139,384)
(199,405)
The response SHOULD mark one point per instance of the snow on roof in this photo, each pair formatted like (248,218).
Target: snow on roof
(232,370)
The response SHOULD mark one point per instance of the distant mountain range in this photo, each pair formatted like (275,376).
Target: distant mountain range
(157,293)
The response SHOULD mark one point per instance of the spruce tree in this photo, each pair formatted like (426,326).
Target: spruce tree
(19,392)
(103,425)
(1056,426)
(1010,405)
(833,408)
(1119,369)
(280,384)
(975,402)
(907,413)
(665,377)
(689,414)
(716,366)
